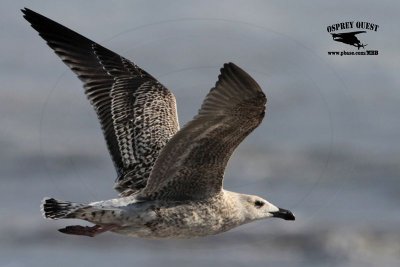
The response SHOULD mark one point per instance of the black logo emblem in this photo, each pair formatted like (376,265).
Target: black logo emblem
(349,38)
(348,33)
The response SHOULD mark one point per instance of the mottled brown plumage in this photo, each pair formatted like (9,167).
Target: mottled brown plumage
(192,164)
(170,181)
(124,97)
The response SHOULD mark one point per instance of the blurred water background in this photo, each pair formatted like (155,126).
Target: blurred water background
(328,148)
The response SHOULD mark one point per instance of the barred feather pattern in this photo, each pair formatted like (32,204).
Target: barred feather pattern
(137,114)
(151,105)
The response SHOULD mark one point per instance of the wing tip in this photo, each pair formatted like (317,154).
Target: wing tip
(25,10)
(35,19)
(234,87)
(230,66)
(29,14)
(232,73)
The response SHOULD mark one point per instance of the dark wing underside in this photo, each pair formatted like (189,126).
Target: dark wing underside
(137,113)
(192,164)
(353,33)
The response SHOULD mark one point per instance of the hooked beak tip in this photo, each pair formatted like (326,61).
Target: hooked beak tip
(283,214)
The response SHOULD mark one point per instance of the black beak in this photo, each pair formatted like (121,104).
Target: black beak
(283,214)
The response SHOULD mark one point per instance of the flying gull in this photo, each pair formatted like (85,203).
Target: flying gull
(169,179)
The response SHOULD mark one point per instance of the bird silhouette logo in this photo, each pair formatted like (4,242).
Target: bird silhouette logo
(349,38)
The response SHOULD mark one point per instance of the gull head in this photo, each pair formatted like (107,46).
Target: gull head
(255,208)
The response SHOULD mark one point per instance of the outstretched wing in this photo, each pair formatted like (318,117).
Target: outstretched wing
(356,32)
(136,112)
(192,164)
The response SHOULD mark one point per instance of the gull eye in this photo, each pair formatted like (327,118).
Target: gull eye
(258,204)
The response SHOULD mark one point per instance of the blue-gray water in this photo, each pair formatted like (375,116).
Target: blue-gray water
(328,148)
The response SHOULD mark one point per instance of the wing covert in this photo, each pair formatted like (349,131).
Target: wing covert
(192,164)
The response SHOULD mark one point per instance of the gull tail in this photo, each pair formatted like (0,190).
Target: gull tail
(58,209)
